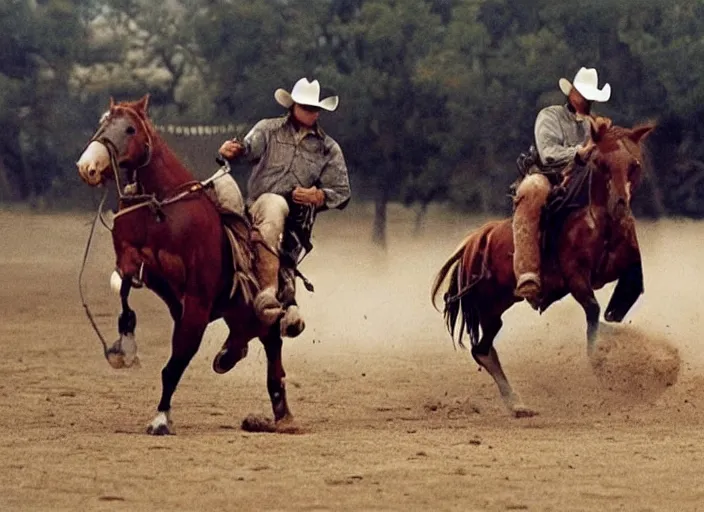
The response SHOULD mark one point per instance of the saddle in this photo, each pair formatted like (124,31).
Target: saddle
(561,201)
(296,244)
(238,235)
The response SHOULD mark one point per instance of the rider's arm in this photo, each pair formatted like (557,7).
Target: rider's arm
(549,141)
(255,141)
(334,180)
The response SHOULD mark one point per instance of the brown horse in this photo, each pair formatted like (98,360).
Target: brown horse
(589,240)
(169,236)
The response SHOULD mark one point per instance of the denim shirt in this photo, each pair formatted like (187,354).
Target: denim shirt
(285,158)
(559,134)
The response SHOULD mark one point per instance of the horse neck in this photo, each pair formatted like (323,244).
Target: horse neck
(598,191)
(164,173)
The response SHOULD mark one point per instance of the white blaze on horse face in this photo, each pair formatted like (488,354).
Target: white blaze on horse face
(93,163)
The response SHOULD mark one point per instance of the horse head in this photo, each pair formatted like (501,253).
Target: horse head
(617,156)
(123,140)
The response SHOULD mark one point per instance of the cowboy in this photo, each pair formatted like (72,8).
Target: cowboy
(561,137)
(298,170)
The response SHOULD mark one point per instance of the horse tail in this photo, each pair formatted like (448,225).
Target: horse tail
(446,269)
(459,303)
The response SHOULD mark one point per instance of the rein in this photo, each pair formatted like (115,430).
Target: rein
(146,200)
(98,215)
(142,200)
(112,151)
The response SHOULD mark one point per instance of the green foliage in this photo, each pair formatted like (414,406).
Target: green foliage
(438,97)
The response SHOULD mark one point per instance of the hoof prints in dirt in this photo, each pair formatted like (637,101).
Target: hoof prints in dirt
(632,362)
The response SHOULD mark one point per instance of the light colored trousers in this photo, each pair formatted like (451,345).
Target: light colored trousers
(269,213)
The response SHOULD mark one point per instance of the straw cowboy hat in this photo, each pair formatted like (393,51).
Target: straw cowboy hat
(586,82)
(306,93)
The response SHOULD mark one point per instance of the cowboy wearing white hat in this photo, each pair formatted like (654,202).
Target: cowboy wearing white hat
(561,133)
(298,170)
(307,94)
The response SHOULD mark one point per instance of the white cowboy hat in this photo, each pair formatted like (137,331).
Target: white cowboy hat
(306,93)
(586,82)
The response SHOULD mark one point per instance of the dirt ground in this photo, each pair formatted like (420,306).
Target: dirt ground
(393,417)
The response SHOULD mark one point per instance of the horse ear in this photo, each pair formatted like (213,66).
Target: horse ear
(600,125)
(143,104)
(639,133)
(112,102)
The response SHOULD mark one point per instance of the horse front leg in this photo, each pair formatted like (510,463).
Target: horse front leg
(582,291)
(123,353)
(625,262)
(186,339)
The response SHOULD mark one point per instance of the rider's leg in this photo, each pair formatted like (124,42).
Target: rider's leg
(269,213)
(530,198)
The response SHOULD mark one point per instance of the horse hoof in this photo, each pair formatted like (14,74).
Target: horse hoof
(226,359)
(116,359)
(287,425)
(610,316)
(160,426)
(292,323)
(160,430)
(521,411)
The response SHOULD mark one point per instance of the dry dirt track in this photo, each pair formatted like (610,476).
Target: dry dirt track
(394,417)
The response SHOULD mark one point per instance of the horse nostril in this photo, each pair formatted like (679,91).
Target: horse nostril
(92,173)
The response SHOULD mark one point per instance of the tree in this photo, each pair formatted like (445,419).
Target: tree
(376,60)
(251,48)
(41,42)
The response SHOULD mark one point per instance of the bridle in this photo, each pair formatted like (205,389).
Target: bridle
(111,147)
(137,201)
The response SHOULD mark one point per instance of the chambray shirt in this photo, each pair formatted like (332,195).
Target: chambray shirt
(285,158)
(558,135)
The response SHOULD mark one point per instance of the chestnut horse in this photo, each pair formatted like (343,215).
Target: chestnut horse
(169,236)
(589,240)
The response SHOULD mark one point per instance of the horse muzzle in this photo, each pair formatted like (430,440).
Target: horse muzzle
(93,164)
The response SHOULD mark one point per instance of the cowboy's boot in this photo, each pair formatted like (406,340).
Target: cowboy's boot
(266,304)
(530,198)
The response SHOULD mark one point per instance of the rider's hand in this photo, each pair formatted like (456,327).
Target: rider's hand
(231,149)
(584,152)
(313,196)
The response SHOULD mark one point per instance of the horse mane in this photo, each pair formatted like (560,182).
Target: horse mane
(604,131)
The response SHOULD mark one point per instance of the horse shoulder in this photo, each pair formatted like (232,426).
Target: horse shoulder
(582,239)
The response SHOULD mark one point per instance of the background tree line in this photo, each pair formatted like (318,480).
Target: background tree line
(438,97)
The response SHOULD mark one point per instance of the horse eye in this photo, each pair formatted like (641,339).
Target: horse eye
(130,130)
